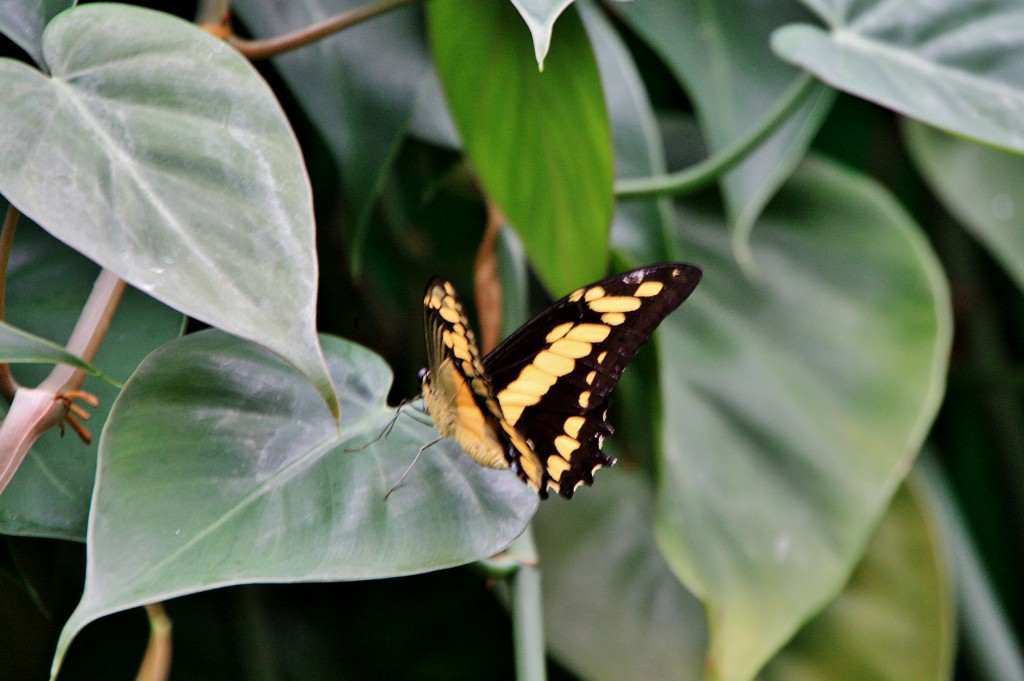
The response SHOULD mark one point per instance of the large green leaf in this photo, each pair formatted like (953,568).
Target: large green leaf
(978,184)
(158,152)
(719,51)
(360,97)
(220,466)
(796,404)
(49,495)
(612,607)
(23,22)
(637,140)
(956,66)
(540,142)
(895,620)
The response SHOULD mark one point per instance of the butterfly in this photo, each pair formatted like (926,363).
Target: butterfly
(538,402)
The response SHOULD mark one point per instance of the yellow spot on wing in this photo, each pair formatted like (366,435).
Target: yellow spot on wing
(575,295)
(533,376)
(571,349)
(572,426)
(600,358)
(591,333)
(556,466)
(558,332)
(553,364)
(593,294)
(649,288)
(590,377)
(613,318)
(615,304)
(512,413)
(449,314)
(566,446)
(514,399)
(528,387)
(585,399)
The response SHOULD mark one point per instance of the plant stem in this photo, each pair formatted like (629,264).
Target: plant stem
(156,664)
(487,283)
(528,618)
(212,11)
(710,169)
(89,331)
(271,47)
(8,386)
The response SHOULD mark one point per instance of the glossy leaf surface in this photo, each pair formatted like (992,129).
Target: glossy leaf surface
(158,152)
(940,63)
(796,403)
(220,466)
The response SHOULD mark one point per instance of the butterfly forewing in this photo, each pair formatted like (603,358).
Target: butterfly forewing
(553,375)
(540,398)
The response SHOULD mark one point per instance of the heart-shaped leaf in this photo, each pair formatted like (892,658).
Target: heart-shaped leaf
(795,403)
(955,66)
(220,466)
(158,152)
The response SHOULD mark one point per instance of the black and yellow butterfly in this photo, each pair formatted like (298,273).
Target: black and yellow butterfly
(538,402)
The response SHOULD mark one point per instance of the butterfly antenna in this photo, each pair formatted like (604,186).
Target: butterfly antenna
(387,429)
(415,459)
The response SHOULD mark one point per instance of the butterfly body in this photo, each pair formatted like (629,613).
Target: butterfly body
(538,402)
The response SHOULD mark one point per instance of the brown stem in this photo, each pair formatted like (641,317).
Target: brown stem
(89,331)
(271,47)
(156,665)
(486,284)
(8,385)
(212,12)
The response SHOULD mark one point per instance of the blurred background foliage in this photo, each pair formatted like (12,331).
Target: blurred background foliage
(829,244)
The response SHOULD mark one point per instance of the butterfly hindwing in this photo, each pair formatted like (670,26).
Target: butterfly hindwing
(538,402)
(455,384)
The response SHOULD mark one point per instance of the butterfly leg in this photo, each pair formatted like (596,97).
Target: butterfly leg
(388,428)
(415,459)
